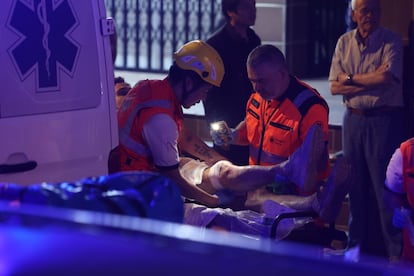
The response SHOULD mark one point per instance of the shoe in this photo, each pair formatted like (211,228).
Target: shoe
(332,194)
(302,166)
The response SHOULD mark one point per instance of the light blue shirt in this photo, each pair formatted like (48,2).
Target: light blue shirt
(351,56)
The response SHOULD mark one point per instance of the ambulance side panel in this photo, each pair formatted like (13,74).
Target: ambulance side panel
(57,105)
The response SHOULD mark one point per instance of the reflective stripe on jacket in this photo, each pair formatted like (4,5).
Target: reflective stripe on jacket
(273,127)
(146,99)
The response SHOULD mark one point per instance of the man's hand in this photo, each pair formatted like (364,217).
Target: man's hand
(221,134)
(383,68)
(218,138)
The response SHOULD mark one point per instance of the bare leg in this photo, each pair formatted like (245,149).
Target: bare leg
(229,176)
(302,166)
(238,178)
(327,202)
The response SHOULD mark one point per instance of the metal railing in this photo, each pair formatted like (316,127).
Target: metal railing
(327,20)
(149,31)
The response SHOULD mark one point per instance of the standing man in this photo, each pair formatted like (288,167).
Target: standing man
(367,71)
(150,118)
(279,115)
(233,42)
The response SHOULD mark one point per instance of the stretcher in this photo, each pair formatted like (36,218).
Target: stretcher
(69,229)
(313,232)
(44,240)
(151,195)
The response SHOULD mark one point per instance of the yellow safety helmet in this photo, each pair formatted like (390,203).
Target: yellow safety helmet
(201,58)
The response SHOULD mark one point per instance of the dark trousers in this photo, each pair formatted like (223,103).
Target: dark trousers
(370,141)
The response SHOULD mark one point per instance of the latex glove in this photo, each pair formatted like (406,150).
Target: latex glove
(221,134)
(401,217)
(224,197)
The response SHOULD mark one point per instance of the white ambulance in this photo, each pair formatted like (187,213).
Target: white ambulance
(57,104)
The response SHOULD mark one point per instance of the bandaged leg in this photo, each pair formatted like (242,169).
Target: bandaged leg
(213,174)
(225,175)
(192,170)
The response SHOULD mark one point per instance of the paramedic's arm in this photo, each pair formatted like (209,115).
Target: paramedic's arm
(193,145)
(240,134)
(164,152)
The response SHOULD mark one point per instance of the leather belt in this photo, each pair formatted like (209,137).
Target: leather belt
(383,110)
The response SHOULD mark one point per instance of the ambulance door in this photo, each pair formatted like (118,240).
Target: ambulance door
(57,106)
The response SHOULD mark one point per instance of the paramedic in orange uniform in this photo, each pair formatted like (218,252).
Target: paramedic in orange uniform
(279,113)
(150,118)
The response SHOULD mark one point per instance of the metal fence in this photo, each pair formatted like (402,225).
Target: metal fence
(327,20)
(149,31)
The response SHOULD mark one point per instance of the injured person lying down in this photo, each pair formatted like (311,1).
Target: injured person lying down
(225,179)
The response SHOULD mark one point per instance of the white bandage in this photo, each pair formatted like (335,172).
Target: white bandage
(214,174)
(192,171)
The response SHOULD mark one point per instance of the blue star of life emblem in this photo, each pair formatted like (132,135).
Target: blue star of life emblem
(45,46)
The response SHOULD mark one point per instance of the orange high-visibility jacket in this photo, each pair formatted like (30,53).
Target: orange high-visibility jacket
(146,99)
(276,128)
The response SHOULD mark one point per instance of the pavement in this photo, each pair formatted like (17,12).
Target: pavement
(336,108)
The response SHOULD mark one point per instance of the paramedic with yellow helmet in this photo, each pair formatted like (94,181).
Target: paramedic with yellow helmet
(150,119)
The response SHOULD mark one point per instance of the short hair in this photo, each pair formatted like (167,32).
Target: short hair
(177,75)
(229,5)
(353,4)
(266,53)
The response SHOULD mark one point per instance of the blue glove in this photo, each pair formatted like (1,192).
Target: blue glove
(400,217)
(224,197)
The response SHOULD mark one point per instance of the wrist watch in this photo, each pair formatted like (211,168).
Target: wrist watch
(349,78)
